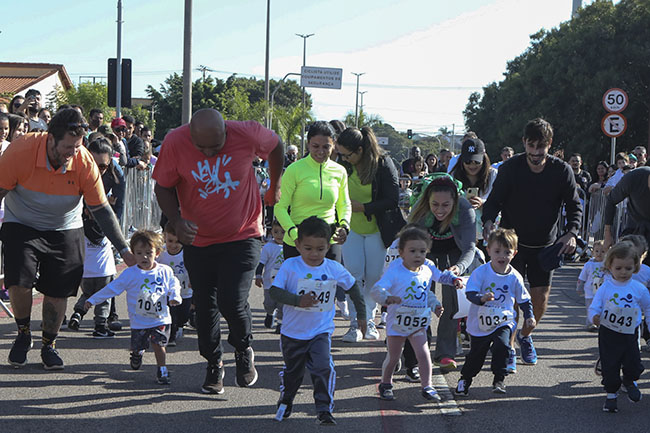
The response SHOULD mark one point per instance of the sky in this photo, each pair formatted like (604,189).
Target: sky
(421,59)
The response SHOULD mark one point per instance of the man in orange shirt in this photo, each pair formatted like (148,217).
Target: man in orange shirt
(43,177)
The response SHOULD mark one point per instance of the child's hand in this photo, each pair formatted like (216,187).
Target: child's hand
(596,320)
(438,311)
(87,306)
(489,296)
(530,323)
(174,303)
(308,300)
(258,281)
(458,283)
(393,300)
(454,270)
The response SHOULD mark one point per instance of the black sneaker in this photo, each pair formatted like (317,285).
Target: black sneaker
(386,391)
(245,367)
(136,360)
(22,344)
(498,387)
(75,319)
(114,324)
(101,332)
(430,394)
(325,418)
(610,405)
(278,328)
(633,392)
(413,374)
(213,383)
(51,359)
(463,387)
(268,321)
(163,379)
(284,411)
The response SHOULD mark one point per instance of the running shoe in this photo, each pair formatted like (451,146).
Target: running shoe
(413,374)
(101,332)
(50,357)
(325,418)
(462,388)
(136,360)
(633,392)
(386,391)
(22,345)
(511,364)
(74,322)
(498,387)
(163,378)
(371,331)
(430,394)
(610,405)
(284,411)
(245,371)
(528,352)
(353,335)
(213,383)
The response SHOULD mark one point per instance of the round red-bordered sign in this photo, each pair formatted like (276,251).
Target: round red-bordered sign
(613,124)
(615,100)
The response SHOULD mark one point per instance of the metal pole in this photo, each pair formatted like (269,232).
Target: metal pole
(304,63)
(361,104)
(186,111)
(356,103)
(613,150)
(453,134)
(118,80)
(266,63)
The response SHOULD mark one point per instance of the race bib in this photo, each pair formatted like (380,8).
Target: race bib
(620,319)
(490,318)
(324,291)
(391,255)
(149,304)
(186,291)
(596,282)
(409,320)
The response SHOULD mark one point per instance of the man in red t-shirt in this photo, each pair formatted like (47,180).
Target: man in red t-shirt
(206,186)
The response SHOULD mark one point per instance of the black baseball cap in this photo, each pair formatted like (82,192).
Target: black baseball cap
(473,150)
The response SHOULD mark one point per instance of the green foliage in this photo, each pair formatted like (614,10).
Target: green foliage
(88,95)
(237,98)
(562,77)
(365,119)
(139,113)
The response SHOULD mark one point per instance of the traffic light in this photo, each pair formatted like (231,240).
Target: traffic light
(409,134)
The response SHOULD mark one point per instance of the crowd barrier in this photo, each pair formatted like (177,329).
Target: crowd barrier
(141,210)
(593,226)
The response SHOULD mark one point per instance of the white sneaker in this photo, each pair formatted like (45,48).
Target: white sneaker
(371,332)
(343,308)
(352,336)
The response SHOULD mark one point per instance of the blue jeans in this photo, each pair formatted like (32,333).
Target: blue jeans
(364,256)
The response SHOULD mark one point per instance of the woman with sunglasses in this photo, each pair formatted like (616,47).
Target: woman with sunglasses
(477,175)
(374,194)
(450,220)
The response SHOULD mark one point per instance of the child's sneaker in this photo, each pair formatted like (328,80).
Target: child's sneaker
(114,323)
(633,392)
(136,360)
(213,383)
(511,363)
(371,331)
(528,352)
(610,405)
(462,388)
(75,320)
(343,308)
(386,391)
(163,377)
(325,418)
(353,335)
(498,387)
(413,374)
(430,394)
(268,321)
(102,332)
(382,322)
(284,411)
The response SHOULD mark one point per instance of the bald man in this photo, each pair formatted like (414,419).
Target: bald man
(206,186)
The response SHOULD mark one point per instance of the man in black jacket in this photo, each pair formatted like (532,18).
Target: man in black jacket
(529,191)
(134,144)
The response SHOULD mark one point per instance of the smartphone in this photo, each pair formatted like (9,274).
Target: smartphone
(471,192)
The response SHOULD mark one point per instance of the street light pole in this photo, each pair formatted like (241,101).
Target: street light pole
(266,61)
(118,78)
(304,63)
(361,104)
(186,108)
(356,104)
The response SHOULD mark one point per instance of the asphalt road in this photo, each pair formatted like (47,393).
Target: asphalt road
(98,392)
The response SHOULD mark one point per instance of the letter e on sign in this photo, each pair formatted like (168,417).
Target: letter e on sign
(614,124)
(615,100)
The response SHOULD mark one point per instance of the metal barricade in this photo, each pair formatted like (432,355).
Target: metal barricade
(594,228)
(141,210)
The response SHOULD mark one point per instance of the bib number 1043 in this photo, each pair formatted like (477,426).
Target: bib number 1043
(619,319)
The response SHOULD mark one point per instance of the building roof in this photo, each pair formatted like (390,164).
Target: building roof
(16,77)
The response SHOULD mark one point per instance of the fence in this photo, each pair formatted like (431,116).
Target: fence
(593,226)
(141,209)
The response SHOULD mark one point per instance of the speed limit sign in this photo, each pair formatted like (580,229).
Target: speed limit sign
(615,100)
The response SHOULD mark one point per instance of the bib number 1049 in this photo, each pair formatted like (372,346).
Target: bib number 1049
(322,290)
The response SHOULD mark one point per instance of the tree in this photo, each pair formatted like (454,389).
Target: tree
(562,77)
(88,95)
(371,120)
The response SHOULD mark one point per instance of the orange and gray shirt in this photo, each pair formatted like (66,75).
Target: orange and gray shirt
(40,196)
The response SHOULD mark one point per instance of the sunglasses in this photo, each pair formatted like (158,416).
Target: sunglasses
(472,162)
(75,125)
(120,130)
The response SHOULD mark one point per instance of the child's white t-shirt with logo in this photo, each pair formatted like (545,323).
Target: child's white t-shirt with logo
(593,274)
(177,263)
(297,277)
(147,294)
(272,257)
(620,304)
(507,288)
(99,260)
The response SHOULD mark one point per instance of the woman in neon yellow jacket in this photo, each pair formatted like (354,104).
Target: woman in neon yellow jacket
(315,185)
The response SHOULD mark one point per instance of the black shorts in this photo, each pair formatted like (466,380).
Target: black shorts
(57,257)
(526,262)
(140,337)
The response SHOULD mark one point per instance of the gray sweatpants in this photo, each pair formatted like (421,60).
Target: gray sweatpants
(316,356)
(90,286)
